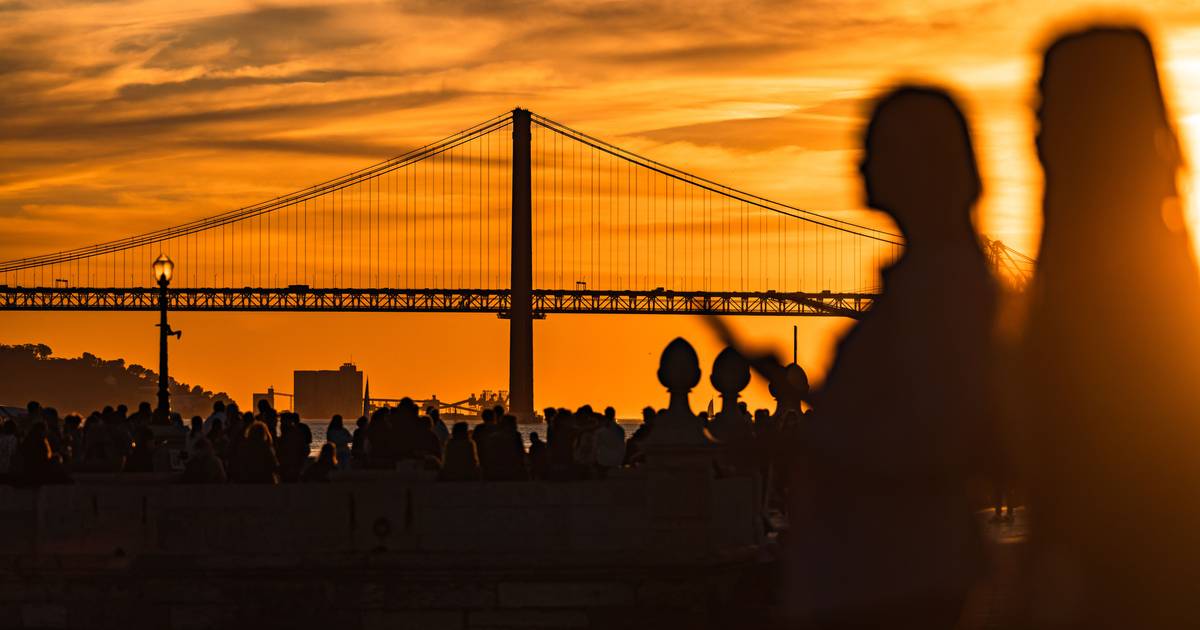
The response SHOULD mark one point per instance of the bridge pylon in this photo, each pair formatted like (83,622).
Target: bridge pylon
(520,316)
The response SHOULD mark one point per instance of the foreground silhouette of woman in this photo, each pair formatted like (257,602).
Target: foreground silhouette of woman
(1112,349)
(885,532)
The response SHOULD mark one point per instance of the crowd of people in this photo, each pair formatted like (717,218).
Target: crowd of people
(267,446)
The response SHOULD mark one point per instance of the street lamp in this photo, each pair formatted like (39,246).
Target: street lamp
(163,269)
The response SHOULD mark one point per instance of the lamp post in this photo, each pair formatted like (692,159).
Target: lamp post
(163,268)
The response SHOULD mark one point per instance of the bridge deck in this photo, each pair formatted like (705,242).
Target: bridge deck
(545,302)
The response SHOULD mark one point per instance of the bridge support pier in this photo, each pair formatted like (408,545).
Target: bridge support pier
(520,313)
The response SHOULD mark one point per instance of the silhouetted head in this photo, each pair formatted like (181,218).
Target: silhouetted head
(459,431)
(534,438)
(919,164)
(1105,137)
(648,414)
(335,422)
(258,432)
(328,455)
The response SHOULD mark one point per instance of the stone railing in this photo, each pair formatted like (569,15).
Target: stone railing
(379,552)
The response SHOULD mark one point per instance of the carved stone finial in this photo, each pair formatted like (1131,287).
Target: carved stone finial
(679,372)
(679,367)
(731,373)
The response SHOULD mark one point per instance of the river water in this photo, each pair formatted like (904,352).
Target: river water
(318,430)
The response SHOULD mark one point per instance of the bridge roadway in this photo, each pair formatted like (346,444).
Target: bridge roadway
(545,302)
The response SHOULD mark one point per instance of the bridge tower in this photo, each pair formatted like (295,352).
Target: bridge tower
(520,313)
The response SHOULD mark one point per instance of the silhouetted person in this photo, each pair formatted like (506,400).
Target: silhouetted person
(634,446)
(461,461)
(38,465)
(141,459)
(142,417)
(294,447)
(584,452)
(610,443)
(255,459)
(383,439)
(72,438)
(203,466)
(560,453)
(218,413)
(358,445)
(195,434)
(267,415)
(885,534)
(1113,348)
(337,435)
(318,471)
(538,461)
(505,453)
(439,426)
(8,450)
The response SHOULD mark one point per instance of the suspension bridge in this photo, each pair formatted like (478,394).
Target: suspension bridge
(519,216)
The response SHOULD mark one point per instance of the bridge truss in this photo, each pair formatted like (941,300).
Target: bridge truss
(498,301)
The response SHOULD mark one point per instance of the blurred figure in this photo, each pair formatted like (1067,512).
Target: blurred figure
(1113,401)
(885,536)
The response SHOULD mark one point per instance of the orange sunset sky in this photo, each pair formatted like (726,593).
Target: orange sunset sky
(122,117)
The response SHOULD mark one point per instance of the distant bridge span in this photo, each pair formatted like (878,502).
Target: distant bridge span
(498,301)
(519,216)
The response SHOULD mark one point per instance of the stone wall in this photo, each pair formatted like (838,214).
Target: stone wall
(378,552)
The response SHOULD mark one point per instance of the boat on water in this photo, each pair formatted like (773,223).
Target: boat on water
(465,410)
